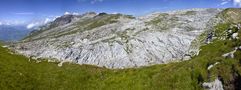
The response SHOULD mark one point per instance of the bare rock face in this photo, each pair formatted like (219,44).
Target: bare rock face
(121,41)
(231,15)
(63,20)
(215,85)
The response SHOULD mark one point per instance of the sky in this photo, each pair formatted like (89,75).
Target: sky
(41,11)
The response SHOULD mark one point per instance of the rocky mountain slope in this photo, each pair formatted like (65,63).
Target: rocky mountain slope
(121,41)
(216,67)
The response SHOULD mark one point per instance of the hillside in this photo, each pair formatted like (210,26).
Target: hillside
(19,72)
(120,41)
(120,45)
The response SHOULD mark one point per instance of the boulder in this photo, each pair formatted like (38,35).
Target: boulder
(187,57)
(211,66)
(230,54)
(235,36)
(215,85)
(239,26)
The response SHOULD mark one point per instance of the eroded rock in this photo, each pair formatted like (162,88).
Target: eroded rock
(118,41)
(211,66)
(230,54)
(215,85)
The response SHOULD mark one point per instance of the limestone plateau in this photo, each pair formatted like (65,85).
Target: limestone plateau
(120,41)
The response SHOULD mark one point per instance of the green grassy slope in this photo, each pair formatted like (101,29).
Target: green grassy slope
(17,72)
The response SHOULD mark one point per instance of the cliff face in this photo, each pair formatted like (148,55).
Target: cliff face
(119,41)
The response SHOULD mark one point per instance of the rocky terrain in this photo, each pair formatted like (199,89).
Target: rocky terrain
(216,67)
(121,41)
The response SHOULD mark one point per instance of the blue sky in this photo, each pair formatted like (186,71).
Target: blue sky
(25,11)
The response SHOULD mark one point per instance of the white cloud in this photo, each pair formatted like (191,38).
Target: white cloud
(31,25)
(115,13)
(75,13)
(91,1)
(12,22)
(39,23)
(66,13)
(95,1)
(223,3)
(70,13)
(24,13)
(237,3)
(47,20)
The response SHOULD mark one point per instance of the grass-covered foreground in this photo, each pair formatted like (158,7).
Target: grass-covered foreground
(17,72)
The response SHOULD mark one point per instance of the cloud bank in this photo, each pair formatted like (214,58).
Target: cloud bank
(39,23)
(235,2)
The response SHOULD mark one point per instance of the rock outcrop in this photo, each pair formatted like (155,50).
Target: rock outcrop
(215,85)
(120,41)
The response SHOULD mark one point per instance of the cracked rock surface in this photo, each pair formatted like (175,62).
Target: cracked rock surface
(119,41)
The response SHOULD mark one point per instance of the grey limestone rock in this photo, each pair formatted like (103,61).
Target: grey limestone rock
(120,41)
